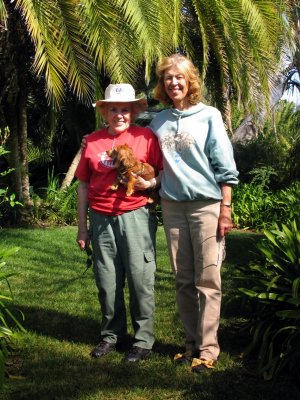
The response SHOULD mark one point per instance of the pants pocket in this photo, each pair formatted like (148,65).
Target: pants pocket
(149,268)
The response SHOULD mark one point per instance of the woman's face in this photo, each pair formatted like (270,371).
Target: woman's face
(176,87)
(118,116)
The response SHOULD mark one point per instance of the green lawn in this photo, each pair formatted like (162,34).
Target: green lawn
(59,302)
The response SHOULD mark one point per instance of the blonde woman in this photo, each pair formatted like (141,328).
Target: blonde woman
(198,174)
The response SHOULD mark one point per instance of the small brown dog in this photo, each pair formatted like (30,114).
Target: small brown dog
(126,163)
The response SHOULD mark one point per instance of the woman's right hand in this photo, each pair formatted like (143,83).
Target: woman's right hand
(83,239)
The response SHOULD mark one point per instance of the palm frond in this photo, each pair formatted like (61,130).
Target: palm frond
(140,33)
(3,16)
(60,54)
(242,43)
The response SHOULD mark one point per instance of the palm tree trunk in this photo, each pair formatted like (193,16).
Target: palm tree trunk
(14,92)
(14,158)
(71,171)
(22,109)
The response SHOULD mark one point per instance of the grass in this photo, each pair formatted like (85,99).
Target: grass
(58,298)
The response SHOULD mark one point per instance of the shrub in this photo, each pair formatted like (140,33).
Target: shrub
(250,203)
(7,198)
(8,322)
(256,207)
(7,319)
(55,205)
(273,289)
(275,148)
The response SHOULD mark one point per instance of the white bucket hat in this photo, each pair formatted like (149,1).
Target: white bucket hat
(121,93)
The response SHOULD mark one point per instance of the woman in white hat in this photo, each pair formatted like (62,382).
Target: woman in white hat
(121,228)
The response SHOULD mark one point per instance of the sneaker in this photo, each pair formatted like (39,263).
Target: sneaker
(102,349)
(136,354)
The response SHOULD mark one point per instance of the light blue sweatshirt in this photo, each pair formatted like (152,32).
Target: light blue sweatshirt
(197,153)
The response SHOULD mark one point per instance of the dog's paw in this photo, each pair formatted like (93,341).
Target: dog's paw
(114,187)
(129,192)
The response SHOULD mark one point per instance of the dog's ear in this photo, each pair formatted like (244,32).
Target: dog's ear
(133,161)
(127,157)
(128,151)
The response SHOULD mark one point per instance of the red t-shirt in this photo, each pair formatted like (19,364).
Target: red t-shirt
(97,168)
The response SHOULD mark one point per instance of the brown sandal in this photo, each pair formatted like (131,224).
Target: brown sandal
(199,365)
(184,358)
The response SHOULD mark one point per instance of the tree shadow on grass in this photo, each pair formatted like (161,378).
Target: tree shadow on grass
(66,327)
(65,371)
(61,326)
(63,376)
(241,247)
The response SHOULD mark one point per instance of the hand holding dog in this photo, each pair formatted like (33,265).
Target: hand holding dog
(141,183)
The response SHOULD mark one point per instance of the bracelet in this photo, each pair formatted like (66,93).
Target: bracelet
(226,205)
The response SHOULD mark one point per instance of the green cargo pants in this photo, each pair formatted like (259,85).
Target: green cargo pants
(124,247)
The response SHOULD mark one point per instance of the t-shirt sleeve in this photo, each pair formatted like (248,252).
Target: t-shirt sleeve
(82,171)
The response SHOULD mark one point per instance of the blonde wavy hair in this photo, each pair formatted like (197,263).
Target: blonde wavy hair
(190,72)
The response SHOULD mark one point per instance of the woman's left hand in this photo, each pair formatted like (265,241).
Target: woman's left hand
(225,221)
(141,184)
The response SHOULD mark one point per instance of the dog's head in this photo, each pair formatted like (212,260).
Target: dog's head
(122,156)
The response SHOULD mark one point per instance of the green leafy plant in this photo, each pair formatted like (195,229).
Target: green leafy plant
(273,156)
(6,197)
(250,204)
(262,176)
(286,202)
(256,207)
(55,205)
(8,322)
(273,287)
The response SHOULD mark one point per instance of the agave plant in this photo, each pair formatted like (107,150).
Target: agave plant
(274,287)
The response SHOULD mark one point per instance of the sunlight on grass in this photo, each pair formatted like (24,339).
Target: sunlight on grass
(59,300)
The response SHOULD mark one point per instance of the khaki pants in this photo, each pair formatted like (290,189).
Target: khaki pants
(196,253)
